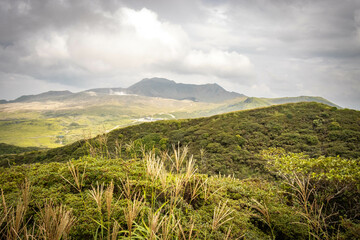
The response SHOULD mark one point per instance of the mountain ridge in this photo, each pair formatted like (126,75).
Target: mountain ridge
(149,87)
(161,87)
(169,89)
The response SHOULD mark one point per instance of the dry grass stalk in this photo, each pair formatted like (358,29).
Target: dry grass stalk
(176,191)
(163,180)
(118,147)
(143,149)
(154,223)
(169,224)
(312,210)
(127,188)
(304,190)
(228,233)
(115,231)
(4,210)
(103,140)
(109,193)
(190,169)
(130,147)
(179,157)
(96,194)
(207,192)
(221,215)
(55,222)
(16,221)
(265,216)
(77,177)
(190,231)
(195,188)
(154,166)
(131,212)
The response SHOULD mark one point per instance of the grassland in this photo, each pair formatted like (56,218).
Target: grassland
(52,124)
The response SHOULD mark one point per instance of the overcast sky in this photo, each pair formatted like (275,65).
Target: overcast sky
(259,48)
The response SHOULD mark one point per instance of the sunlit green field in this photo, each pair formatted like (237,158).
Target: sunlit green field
(38,130)
(57,123)
(47,126)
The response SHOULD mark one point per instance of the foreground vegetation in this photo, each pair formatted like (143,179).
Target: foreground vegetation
(163,197)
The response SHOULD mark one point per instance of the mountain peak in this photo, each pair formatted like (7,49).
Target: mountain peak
(157,80)
(165,88)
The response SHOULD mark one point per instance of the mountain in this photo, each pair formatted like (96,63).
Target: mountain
(253,102)
(300,99)
(150,87)
(168,89)
(164,88)
(46,96)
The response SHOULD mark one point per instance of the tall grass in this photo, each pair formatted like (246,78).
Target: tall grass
(127,188)
(154,166)
(264,215)
(312,206)
(178,158)
(55,222)
(221,215)
(16,224)
(77,177)
(131,211)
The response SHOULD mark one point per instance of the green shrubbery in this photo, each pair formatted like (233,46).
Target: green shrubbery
(324,191)
(163,197)
(133,181)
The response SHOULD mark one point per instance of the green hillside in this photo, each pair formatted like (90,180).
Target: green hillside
(207,178)
(11,149)
(231,141)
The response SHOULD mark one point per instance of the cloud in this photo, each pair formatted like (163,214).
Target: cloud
(223,64)
(15,85)
(126,40)
(262,48)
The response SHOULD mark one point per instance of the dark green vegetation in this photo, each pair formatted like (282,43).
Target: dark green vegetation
(231,142)
(141,182)
(11,149)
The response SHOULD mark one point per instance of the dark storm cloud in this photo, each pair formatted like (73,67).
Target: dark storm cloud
(260,48)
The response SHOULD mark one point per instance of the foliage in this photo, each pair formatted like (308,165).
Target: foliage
(154,197)
(11,149)
(231,141)
(140,182)
(325,190)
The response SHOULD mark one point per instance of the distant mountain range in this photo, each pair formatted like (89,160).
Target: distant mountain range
(57,118)
(150,87)
(164,88)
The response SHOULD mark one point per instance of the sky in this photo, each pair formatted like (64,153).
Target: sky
(260,48)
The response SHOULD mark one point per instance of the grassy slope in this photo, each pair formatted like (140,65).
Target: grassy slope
(62,121)
(231,142)
(41,124)
(11,149)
